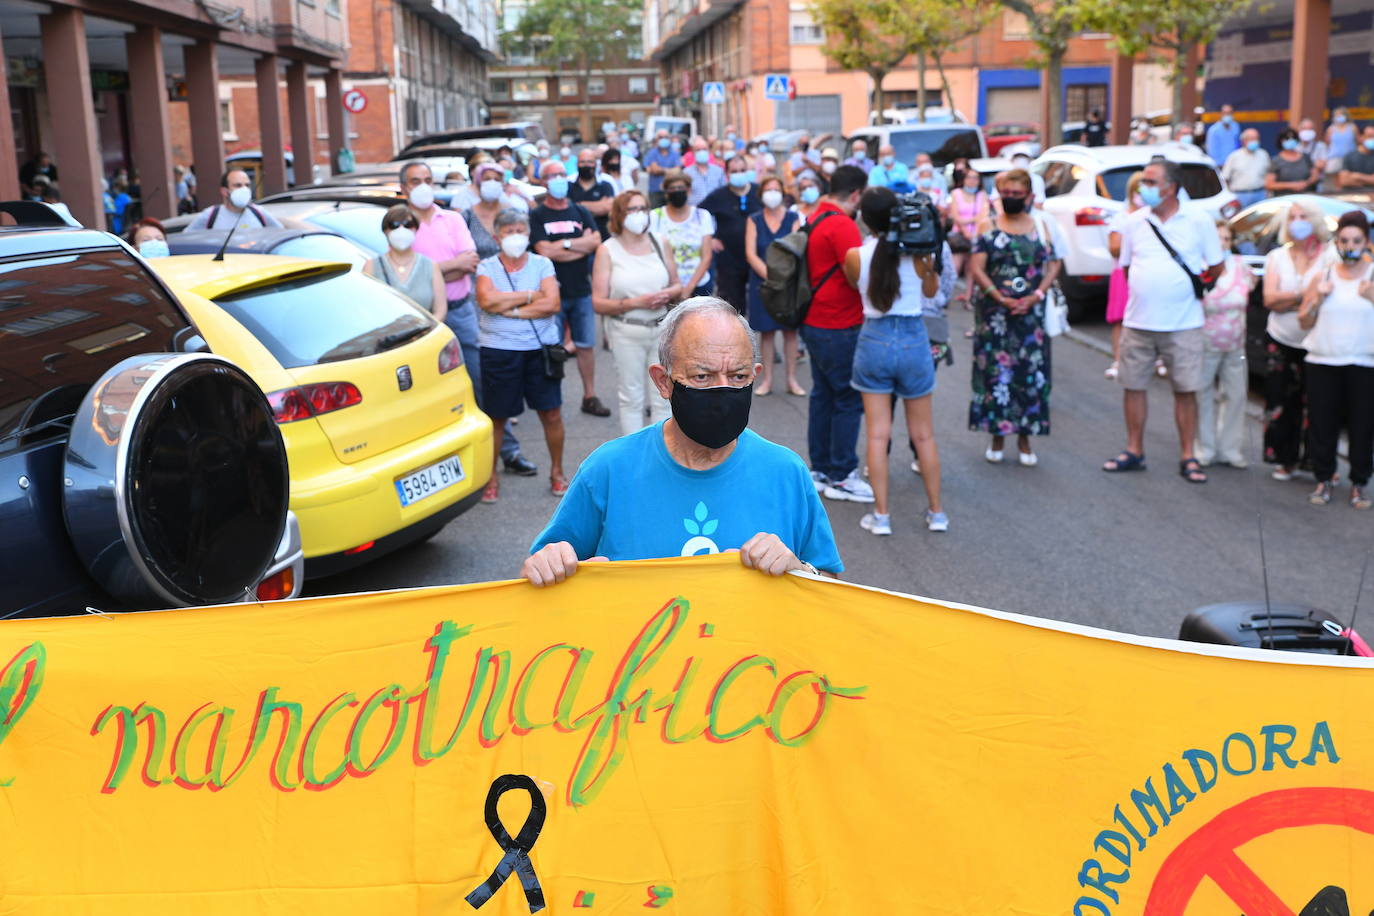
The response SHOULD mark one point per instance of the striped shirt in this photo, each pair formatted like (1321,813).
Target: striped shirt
(499,332)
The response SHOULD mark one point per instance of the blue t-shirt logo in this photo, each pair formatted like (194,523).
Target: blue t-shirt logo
(701,528)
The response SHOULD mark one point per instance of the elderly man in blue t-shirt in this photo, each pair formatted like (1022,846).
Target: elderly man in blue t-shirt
(699,482)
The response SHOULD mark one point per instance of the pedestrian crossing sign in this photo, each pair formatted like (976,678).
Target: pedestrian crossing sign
(713,93)
(777,86)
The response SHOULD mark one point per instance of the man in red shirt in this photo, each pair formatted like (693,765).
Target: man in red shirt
(831,332)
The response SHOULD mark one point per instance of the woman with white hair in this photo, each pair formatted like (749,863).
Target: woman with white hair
(1303,236)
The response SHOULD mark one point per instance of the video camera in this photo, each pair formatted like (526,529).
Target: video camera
(916,226)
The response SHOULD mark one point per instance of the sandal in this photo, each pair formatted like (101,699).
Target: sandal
(1320,496)
(1191,470)
(1111,372)
(1358,500)
(1126,461)
(558,486)
(797,391)
(492,493)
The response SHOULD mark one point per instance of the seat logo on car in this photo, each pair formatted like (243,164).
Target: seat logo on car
(403,378)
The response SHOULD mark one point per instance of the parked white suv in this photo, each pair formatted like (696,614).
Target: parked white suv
(1086,186)
(944,142)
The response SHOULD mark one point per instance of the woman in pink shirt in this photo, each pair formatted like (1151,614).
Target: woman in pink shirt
(968,206)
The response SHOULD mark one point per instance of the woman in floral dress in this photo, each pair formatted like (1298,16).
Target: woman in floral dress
(1012,267)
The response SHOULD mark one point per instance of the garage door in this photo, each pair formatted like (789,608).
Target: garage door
(1013,105)
(815,113)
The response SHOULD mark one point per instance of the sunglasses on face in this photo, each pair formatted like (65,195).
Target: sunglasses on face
(407,224)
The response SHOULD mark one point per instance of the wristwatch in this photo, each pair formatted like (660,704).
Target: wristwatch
(567,244)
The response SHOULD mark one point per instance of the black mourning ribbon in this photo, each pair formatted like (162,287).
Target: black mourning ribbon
(517,858)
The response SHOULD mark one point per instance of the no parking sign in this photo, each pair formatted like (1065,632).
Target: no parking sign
(355,100)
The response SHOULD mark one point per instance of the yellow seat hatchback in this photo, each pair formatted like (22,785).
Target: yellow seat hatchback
(383,435)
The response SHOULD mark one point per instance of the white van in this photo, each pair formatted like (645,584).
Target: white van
(686,128)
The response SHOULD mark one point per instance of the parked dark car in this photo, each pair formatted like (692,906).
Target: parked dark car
(1254,232)
(316,244)
(137,469)
(515,131)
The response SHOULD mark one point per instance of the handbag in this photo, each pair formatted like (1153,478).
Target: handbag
(1056,313)
(554,355)
(1200,286)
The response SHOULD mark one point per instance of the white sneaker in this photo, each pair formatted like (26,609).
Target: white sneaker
(820,481)
(876,524)
(915,466)
(994,457)
(853,488)
(937,521)
(1028,459)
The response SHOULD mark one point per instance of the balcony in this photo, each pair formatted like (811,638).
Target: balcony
(470,22)
(682,20)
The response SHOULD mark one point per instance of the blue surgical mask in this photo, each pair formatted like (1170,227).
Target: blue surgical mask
(810,194)
(154,248)
(1227,120)
(558,187)
(1290,144)
(889,160)
(739,180)
(1150,195)
(751,175)
(1252,145)
(1299,230)
(924,182)
(664,142)
(730,135)
(1369,144)
(677,146)
(1340,119)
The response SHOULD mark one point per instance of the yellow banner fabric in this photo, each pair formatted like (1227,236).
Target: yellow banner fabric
(681,735)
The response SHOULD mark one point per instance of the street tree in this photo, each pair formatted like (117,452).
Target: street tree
(584,33)
(876,36)
(1051,23)
(1169,30)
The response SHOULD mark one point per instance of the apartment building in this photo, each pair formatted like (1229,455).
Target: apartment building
(738,42)
(103,85)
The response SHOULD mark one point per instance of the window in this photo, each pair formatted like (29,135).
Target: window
(1079,100)
(1015,27)
(639,85)
(1060,177)
(412,115)
(596,85)
(804,30)
(529,90)
(332,7)
(567,86)
(226,119)
(500,89)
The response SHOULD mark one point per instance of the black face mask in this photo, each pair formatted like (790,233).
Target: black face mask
(711,417)
(676,198)
(1012,206)
(586,172)
(613,166)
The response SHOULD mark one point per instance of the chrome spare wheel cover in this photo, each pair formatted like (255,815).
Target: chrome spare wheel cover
(176,481)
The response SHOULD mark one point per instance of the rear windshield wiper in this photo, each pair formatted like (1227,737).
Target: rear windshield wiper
(396,338)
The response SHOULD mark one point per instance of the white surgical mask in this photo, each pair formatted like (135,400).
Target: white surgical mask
(565,152)
(828,166)
(421,197)
(490,189)
(772,198)
(1307,136)
(636,223)
(515,245)
(401,239)
(240,197)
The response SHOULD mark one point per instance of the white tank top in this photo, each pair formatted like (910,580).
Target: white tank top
(908,300)
(636,275)
(1344,332)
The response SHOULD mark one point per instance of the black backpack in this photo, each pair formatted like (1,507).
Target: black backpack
(787,292)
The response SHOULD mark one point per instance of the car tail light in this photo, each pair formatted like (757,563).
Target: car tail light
(1230,208)
(1092,278)
(277,587)
(360,548)
(451,357)
(1092,216)
(306,401)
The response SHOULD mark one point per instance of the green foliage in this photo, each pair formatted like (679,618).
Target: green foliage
(1175,26)
(578,31)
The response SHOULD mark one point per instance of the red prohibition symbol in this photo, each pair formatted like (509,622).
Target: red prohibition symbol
(1211,851)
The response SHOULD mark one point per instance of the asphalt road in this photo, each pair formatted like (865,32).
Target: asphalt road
(1131,552)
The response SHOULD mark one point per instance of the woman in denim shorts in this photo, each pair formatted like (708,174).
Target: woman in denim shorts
(893,355)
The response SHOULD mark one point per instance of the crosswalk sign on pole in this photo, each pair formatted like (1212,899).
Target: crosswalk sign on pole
(713,93)
(777,86)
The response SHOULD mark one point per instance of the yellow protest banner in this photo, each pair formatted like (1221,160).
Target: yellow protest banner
(681,735)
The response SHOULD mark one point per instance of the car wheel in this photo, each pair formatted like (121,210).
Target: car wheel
(176,481)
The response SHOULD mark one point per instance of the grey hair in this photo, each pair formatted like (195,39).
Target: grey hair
(698,305)
(510,217)
(406,167)
(1173,172)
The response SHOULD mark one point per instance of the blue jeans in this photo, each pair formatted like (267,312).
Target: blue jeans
(462,321)
(836,409)
(1247,198)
